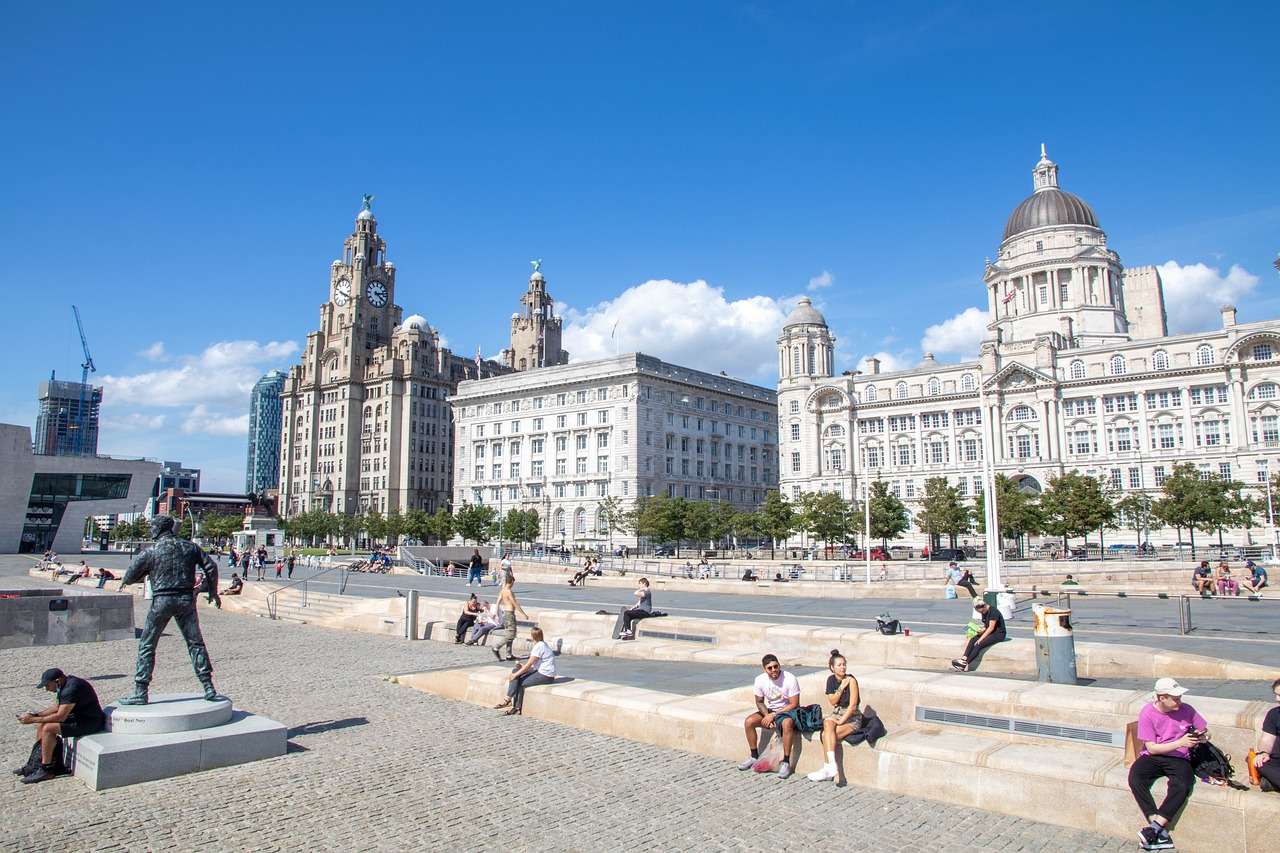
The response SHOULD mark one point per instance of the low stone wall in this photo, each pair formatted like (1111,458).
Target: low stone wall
(49,617)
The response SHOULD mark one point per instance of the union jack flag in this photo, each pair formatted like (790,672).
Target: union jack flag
(1009,295)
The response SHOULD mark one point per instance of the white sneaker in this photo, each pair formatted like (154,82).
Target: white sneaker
(748,764)
(784,770)
(826,774)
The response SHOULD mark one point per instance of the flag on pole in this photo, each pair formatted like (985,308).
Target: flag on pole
(1008,296)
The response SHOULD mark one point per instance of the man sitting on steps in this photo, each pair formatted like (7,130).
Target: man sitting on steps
(1167,730)
(76,712)
(777,697)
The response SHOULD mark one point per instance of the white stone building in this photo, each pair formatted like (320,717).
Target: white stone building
(1079,373)
(563,439)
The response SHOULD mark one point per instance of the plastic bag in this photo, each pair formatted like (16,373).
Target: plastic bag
(972,630)
(771,757)
(950,593)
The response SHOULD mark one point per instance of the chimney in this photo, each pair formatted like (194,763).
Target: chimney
(1228,316)
(873,365)
(1066,329)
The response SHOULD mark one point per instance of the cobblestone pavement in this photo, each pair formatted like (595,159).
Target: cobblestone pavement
(375,766)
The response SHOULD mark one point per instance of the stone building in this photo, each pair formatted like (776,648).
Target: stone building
(535,329)
(1079,373)
(564,439)
(366,425)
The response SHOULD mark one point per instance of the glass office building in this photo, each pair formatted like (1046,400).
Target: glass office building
(262,470)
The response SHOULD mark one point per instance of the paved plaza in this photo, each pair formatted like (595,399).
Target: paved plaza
(376,766)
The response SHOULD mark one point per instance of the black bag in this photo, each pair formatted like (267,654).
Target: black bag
(809,718)
(888,626)
(1209,762)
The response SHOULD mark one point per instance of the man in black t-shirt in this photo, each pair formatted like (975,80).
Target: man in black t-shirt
(992,632)
(1268,758)
(76,712)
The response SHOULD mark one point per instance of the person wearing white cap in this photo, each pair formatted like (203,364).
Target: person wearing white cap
(1167,729)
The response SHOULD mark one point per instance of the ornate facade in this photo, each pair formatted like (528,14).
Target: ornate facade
(1078,370)
(366,425)
(535,329)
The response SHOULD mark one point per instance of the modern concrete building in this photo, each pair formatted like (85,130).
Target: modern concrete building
(1078,370)
(563,439)
(262,469)
(45,499)
(365,423)
(67,423)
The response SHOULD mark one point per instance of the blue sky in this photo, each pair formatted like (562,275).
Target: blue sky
(186,176)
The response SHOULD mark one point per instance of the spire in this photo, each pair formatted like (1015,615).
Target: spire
(1045,173)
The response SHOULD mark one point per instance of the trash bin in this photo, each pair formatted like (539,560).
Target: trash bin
(1001,601)
(1055,645)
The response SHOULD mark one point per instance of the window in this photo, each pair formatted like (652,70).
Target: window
(1158,475)
(1121,439)
(872,455)
(1204,354)
(1044,295)
(906,454)
(795,407)
(1024,445)
(937,452)
(1224,470)
(1263,391)
(1160,360)
(900,390)
(1117,365)
(795,432)
(1167,399)
(966,382)
(1022,413)
(1135,478)
(1262,352)
(1077,369)
(935,387)
(795,463)
(969,449)
(1063,294)
(1114,480)
(870,394)
(1266,430)
(1081,442)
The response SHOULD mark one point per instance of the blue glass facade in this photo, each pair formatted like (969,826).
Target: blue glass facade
(262,470)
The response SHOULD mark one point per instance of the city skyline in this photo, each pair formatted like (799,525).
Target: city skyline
(690,208)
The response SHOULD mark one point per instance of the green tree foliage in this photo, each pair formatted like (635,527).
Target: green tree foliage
(474,522)
(777,519)
(698,521)
(220,527)
(347,526)
(824,516)
(942,511)
(417,523)
(1019,512)
(1189,503)
(1135,512)
(443,525)
(1073,505)
(888,515)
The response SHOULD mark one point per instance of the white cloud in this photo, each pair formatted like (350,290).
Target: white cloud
(959,335)
(200,419)
(223,373)
(1193,293)
(889,361)
(690,324)
(131,421)
(155,352)
(821,280)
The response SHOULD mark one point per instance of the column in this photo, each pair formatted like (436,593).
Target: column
(1240,436)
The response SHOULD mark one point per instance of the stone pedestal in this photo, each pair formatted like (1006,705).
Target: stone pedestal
(173,735)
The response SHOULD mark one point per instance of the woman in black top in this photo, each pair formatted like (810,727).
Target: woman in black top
(992,632)
(1268,758)
(844,718)
(468,618)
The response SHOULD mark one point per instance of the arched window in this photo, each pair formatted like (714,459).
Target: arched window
(602,520)
(1160,360)
(580,522)
(1117,365)
(1022,413)
(835,430)
(795,360)
(966,382)
(558,525)
(870,393)
(900,390)
(795,407)
(834,458)
(1204,354)
(935,387)
(1263,391)
(830,401)
(812,366)
(1263,352)
(1077,369)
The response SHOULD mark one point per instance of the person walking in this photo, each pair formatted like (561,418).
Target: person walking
(475,569)
(288,563)
(506,635)
(244,564)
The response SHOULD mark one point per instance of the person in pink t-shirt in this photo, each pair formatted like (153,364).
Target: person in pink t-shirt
(1167,729)
(777,696)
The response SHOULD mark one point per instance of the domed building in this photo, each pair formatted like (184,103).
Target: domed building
(1079,373)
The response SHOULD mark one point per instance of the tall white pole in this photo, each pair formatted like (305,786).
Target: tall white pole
(994,554)
(866,508)
(1271,515)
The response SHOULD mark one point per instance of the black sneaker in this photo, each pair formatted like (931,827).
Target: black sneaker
(1152,840)
(41,773)
(1164,839)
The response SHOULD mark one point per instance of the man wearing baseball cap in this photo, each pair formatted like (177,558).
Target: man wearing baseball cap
(76,712)
(1167,730)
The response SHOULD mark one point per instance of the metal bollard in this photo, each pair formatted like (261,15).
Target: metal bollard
(1055,645)
(411,615)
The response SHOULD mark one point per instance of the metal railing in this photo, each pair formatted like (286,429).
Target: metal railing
(1183,600)
(272,597)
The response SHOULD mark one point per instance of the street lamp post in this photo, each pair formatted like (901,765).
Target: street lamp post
(994,555)
(1271,515)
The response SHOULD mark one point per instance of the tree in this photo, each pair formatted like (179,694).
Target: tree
(374,525)
(1135,512)
(417,523)
(442,525)
(1073,505)
(220,526)
(888,515)
(824,516)
(611,513)
(942,511)
(474,522)
(698,522)
(1239,508)
(777,519)
(1019,512)
(722,521)
(186,528)
(347,526)
(393,527)
(531,526)
(1187,503)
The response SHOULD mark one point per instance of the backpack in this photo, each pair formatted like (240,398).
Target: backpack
(888,626)
(1213,765)
(809,718)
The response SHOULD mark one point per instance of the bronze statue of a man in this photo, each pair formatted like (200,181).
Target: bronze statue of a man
(171,563)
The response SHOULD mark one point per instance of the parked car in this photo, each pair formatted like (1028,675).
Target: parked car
(1117,548)
(901,552)
(877,553)
(946,555)
(664,551)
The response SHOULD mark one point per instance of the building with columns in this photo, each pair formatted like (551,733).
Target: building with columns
(562,440)
(535,329)
(1079,372)
(366,425)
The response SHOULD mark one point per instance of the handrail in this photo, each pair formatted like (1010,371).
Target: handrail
(342,587)
(1185,625)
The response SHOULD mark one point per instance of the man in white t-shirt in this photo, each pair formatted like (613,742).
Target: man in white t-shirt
(777,697)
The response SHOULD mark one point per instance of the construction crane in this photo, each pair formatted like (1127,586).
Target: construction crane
(87,367)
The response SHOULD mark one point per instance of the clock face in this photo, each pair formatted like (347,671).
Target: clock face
(342,292)
(377,294)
